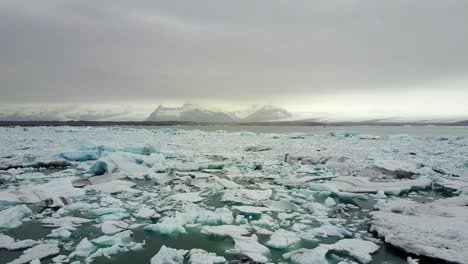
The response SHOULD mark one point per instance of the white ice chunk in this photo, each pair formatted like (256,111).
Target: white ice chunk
(168,255)
(145,213)
(225,230)
(357,248)
(187,197)
(283,239)
(110,227)
(254,210)
(168,226)
(9,243)
(282,205)
(37,252)
(200,256)
(364,185)
(83,249)
(36,193)
(246,196)
(250,247)
(119,238)
(115,186)
(12,217)
(325,230)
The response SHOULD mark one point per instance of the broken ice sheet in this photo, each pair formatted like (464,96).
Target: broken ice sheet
(200,183)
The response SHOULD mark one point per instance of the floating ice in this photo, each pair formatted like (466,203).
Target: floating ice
(187,197)
(363,185)
(115,186)
(357,248)
(168,255)
(283,239)
(80,155)
(146,213)
(9,243)
(225,230)
(253,210)
(119,238)
(437,229)
(36,193)
(37,252)
(246,196)
(250,247)
(83,249)
(13,216)
(200,256)
(282,205)
(110,227)
(325,230)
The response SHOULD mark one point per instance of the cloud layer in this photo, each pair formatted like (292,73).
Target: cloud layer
(283,52)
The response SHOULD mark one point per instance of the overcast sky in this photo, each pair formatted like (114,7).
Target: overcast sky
(398,56)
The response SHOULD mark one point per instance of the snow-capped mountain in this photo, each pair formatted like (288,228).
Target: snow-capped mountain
(194,113)
(190,113)
(267,113)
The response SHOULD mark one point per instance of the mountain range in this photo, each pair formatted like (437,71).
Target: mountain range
(195,113)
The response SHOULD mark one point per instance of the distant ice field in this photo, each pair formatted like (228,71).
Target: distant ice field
(321,130)
(234,194)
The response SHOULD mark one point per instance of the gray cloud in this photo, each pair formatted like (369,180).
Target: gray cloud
(69,51)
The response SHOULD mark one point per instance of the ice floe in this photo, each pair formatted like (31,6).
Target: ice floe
(437,229)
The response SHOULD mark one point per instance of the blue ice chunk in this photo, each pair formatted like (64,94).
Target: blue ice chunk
(98,168)
(80,155)
(349,134)
(145,150)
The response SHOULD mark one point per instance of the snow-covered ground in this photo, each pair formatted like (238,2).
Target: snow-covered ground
(166,195)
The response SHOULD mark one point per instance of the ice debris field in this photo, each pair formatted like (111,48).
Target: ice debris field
(167,195)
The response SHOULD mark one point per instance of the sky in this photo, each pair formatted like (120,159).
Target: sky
(398,57)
